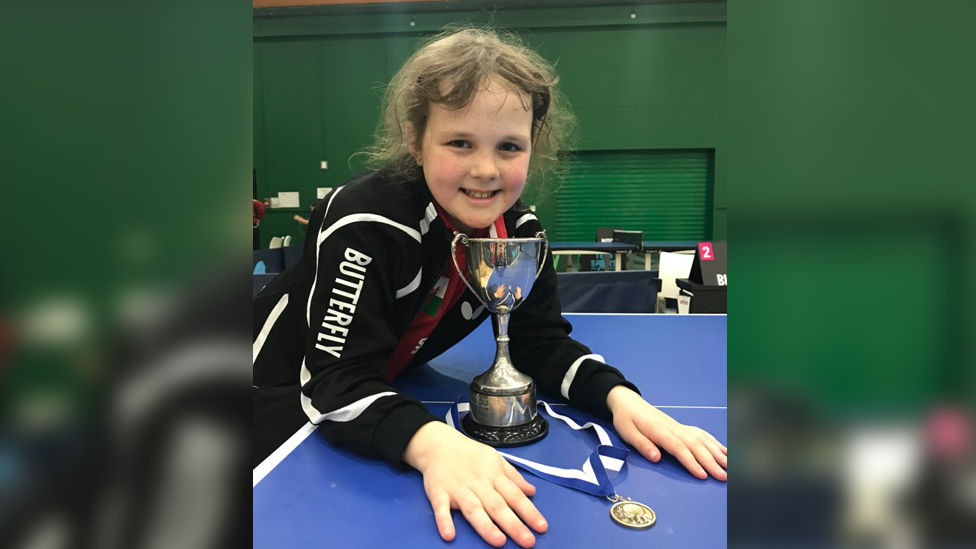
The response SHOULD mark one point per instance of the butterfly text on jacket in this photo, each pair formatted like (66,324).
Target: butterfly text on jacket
(335,324)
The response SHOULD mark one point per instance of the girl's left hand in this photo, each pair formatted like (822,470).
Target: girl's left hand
(646,428)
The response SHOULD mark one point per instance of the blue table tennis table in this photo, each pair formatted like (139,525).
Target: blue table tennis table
(311,494)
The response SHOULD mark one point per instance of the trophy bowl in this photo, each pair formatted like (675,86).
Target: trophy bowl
(501,272)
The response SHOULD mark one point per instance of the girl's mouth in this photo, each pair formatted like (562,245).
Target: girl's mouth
(479,195)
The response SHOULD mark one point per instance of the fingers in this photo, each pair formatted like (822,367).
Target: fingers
(715,440)
(632,435)
(442,515)
(704,457)
(518,479)
(678,449)
(498,506)
(649,450)
(474,512)
(515,497)
(717,449)
(646,428)
(690,447)
(499,511)
(721,457)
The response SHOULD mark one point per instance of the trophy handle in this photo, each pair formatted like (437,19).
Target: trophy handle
(545,252)
(459,236)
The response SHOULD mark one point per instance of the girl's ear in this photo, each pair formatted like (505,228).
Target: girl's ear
(412,145)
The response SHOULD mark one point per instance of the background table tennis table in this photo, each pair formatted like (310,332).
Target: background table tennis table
(577,248)
(657,246)
(319,495)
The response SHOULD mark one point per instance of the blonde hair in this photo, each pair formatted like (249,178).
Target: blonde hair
(449,69)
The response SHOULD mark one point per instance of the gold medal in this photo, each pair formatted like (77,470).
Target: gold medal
(630,513)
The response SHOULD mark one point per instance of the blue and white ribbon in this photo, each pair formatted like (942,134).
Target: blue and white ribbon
(591,478)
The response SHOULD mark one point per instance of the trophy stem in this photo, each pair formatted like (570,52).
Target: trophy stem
(502,358)
(502,326)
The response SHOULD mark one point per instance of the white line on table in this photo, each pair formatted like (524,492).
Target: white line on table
(281,453)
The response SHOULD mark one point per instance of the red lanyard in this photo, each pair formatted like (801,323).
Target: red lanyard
(442,297)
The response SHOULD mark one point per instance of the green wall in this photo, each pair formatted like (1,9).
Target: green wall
(653,81)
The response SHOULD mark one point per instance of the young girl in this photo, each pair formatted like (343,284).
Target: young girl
(375,293)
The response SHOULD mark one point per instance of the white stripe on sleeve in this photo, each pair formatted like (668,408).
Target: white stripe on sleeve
(414,284)
(358,218)
(571,373)
(344,414)
(266,329)
(308,307)
(521,221)
(430,214)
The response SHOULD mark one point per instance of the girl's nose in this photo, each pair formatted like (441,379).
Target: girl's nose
(484,167)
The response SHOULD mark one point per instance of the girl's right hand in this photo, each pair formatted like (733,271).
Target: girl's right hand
(460,473)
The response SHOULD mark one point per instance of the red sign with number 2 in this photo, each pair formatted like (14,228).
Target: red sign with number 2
(705,251)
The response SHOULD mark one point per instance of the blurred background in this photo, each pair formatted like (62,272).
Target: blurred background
(131,137)
(851,364)
(126,134)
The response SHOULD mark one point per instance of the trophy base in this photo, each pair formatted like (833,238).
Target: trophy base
(506,437)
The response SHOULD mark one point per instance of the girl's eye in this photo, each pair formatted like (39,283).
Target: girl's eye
(510,147)
(459,143)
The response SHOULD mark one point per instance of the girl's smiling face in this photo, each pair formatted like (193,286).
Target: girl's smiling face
(475,159)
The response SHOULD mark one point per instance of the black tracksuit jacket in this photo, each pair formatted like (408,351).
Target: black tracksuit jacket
(374,248)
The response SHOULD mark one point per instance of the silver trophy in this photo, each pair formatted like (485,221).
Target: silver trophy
(501,272)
